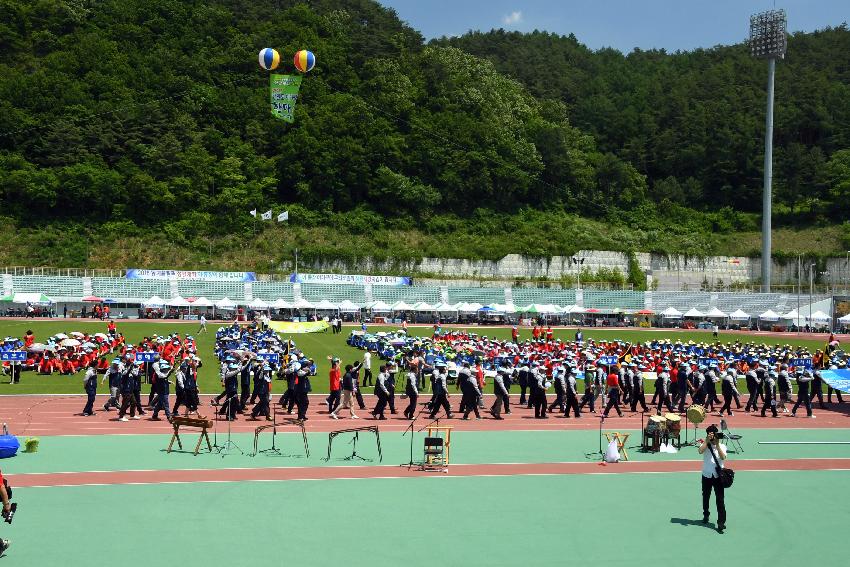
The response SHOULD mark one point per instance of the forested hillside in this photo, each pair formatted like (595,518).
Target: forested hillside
(139,131)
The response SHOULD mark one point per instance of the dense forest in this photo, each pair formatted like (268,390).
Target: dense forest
(149,120)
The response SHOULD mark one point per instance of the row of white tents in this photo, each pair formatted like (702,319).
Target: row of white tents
(739,315)
(347,306)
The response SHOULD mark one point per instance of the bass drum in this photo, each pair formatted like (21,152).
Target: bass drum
(655,425)
(696,414)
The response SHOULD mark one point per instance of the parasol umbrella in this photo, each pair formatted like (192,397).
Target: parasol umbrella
(60,336)
(92,299)
(40,347)
(89,344)
(70,343)
(77,334)
(101,336)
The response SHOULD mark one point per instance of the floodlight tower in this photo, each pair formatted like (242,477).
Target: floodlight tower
(768,40)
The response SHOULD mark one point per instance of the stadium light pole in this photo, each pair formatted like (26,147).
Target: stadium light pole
(768,40)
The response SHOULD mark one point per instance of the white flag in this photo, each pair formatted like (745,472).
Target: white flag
(254,213)
(267,215)
(283,216)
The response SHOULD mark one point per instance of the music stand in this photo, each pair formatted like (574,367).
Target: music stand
(410,463)
(230,445)
(600,452)
(273,450)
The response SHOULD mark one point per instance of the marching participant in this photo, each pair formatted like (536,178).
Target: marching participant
(664,389)
(302,389)
(163,370)
(785,388)
(729,389)
(560,384)
(412,393)
(90,386)
(262,407)
(382,393)
(441,393)
(638,396)
(804,379)
(572,394)
(753,388)
(471,393)
(129,378)
(113,374)
(540,386)
(613,394)
(769,392)
(501,393)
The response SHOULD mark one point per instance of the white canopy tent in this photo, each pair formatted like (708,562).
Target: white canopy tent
(258,305)
(422,306)
(225,303)
(694,313)
(178,302)
(769,315)
(445,308)
(671,313)
(845,319)
(31,298)
(303,304)
(402,306)
(325,305)
(715,313)
(469,307)
(739,315)
(380,306)
(281,304)
(202,302)
(348,306)
(819,317)
(154,302)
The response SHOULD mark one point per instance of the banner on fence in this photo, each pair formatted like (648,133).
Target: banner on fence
(140,274)
(349,279)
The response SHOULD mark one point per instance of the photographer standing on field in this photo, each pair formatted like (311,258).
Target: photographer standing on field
(714,454)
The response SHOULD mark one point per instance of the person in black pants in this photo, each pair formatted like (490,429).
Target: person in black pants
(245,383)
(523,382)
(231,390)
(129,377)
(392,368)
(471,393)
(714,453)
(560,384)
(588,397)
(538,377)
(613,394)
(572,394)
(90,386)
(412,393)
(262,407)
(830,389)
(752,388)
(817,389)
(803,381)
(441,393)
(302,388)
(287,400)
(769,392)
(729,390)
(382,394)
(638,396)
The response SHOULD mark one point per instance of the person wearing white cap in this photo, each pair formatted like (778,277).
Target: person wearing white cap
(113,374)
(163,371)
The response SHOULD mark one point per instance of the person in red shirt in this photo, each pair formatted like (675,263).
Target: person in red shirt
(613,383)
(29,339)
(549,334)
(335,379)
(515,335)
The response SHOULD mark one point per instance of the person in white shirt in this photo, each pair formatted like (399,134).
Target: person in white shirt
(367,368)
(714,455)
(203,328)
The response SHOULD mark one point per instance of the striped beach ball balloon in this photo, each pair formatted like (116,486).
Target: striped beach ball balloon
(304,60)
(269,59)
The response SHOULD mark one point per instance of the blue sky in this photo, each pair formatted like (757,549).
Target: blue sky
(622,24)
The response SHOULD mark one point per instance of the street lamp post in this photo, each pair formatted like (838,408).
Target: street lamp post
(768,40)
(578,262)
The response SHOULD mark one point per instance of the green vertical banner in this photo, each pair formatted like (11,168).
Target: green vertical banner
(283,90)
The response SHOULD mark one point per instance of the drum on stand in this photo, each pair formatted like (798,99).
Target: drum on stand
(673,423)
(696,414)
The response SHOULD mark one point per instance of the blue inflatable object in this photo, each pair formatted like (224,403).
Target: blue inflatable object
(9,446)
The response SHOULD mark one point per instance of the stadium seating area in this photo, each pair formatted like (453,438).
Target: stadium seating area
(69,289)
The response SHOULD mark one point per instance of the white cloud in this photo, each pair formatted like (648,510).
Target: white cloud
(512,18)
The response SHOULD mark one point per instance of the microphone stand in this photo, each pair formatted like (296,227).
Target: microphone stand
(599,452)
(410,428)
(230,444)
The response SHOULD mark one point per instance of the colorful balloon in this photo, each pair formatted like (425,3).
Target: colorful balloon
(304,60)
(269,59)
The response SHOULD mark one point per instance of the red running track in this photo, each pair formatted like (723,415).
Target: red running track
(391,471)
(60,415)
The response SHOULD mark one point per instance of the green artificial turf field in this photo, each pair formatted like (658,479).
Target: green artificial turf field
(317,346)
(623,519)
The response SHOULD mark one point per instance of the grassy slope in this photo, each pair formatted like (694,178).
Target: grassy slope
(272,248)
(318,346)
